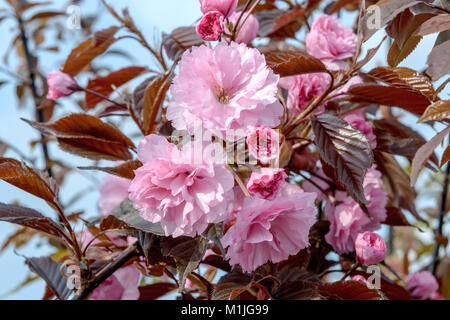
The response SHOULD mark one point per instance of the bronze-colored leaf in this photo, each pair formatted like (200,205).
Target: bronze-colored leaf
(346,150)
(349,290)
(280,23)
(438,61)
(231,282)
(82,55)
(126,217)
(187,252)
(436,24)
(396,183)
(155,290)
(23,177)
(88,136)
(104,85)
(397,54)
(289,63)
(154,96)
(409,100)
(395,217)
(404,78)
(180,40)
(391,290)
(49,271)
(30,218)
(396,138)
(425,152)
(124,170)
(438,111)
(445,156)
(388,10)
(405,24)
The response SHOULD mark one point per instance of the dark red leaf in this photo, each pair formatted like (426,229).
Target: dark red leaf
(346,149)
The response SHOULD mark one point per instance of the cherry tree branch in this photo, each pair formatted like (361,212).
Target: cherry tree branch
(441,218)
(126,255)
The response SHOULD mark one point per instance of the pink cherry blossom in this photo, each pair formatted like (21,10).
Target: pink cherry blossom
(113,191)
(357,121)
(347,219)
(318,182)
(60,84)
(303,89)
(436,296)
(266,183)
(226,7)
(210,27)
(248,27)
(270,230)
(330,40)
(359,278)
(180,193)
(228,88)
(263,144)
(422,284)
(370,248)
(122,285)
(236,205)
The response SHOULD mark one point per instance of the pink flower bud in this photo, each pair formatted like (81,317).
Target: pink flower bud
(264,144)
(249,27)
(370,248)
(226,7)
(359,278)
(60,84)
(210,27)
(267,183)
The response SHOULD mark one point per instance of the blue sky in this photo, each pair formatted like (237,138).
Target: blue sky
(152,17)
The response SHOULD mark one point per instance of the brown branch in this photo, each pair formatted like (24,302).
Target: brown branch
(32,83)
(128,254)
(441,218)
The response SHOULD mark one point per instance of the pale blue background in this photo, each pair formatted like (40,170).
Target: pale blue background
(152,17)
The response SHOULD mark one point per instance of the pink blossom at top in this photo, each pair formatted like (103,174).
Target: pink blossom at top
(226,7)
(330,40)
(182,194)
(347,219)
(249,27)
(303,89)
(370,248)
(60,84)
(210,27)
(228,87)
(113,191)
(266,183)
(422,284)
(122,285)
(357,121)
(263,144)
(270,230)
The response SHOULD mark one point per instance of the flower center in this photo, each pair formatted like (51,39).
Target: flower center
(222,96)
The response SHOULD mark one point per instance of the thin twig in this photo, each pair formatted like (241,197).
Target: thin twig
(32,84)
(441,217)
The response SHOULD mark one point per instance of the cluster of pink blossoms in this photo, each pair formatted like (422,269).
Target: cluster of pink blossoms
(229,88)
(220,19)
(346,217)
